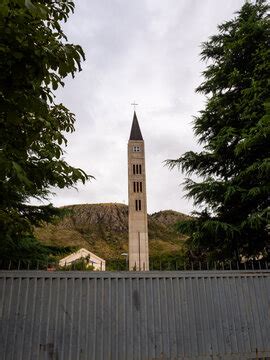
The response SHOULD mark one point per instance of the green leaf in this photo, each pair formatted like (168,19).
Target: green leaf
(35,59)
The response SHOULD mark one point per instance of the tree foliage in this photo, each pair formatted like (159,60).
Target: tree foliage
(35,57)
(234,130)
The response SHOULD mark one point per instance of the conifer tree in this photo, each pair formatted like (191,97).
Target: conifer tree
(234,130)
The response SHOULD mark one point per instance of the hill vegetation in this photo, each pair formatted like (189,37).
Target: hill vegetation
(103,229)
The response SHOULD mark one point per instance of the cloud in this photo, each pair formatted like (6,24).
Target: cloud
(147,51)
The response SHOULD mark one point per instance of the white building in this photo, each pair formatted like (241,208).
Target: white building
(92,259)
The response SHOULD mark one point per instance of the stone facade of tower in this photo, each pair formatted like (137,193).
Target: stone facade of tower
(138,229)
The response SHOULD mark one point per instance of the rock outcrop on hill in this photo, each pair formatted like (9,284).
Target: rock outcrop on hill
(103,229)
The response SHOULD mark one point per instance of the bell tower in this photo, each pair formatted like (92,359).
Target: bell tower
(137,219)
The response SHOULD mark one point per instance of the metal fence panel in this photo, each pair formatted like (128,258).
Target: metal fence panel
(132,315)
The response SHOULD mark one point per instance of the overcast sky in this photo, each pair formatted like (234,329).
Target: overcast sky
(147,51)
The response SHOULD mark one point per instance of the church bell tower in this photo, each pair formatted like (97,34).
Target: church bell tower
(137,220)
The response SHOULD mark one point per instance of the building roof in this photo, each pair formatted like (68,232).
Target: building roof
(81,253)
(135,133)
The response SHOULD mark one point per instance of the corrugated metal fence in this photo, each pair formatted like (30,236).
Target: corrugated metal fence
(131,315)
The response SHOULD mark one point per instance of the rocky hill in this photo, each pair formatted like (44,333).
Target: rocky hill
(103,229)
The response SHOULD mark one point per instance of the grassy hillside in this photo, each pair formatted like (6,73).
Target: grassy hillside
(103,229)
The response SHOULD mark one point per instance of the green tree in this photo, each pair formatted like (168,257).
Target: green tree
(233,167)
(35,57)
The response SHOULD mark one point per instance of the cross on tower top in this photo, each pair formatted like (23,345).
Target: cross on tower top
(134,104)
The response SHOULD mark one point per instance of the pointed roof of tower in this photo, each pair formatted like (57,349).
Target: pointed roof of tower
(135,133)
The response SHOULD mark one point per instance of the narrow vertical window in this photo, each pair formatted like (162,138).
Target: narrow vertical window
(140,169)
(138,205)
(140,186)
(134,169)
(134,186)
(137,186)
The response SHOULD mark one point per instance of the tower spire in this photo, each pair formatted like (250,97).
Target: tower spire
(135,133)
